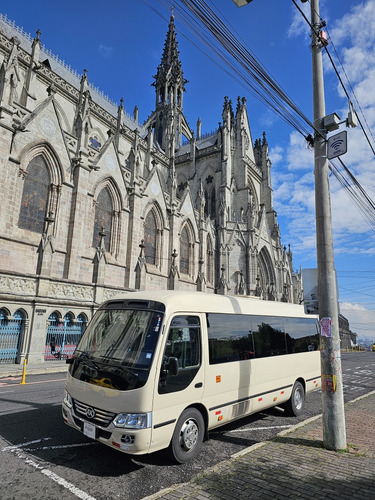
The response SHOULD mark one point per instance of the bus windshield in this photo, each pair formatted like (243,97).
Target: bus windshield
(117,348)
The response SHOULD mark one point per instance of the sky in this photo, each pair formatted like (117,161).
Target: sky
(120,43)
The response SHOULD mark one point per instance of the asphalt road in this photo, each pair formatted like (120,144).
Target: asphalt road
(42,458)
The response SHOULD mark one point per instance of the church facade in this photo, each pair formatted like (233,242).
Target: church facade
(94,203)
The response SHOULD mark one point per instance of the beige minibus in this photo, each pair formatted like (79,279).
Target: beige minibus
(160,369)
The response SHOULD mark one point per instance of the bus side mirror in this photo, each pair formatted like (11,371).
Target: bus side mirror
(172,366)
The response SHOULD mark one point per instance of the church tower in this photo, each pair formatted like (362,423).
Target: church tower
(168,120)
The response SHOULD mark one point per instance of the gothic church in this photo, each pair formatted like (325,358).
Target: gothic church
(94,203)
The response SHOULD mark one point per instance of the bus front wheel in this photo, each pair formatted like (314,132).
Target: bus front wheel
(294,407)
(188,436)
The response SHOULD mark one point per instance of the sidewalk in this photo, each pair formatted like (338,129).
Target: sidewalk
(294,465)
(13,370)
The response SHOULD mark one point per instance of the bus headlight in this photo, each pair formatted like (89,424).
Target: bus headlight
(67,399)
(133,420)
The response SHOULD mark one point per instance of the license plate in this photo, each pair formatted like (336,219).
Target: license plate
(89,430)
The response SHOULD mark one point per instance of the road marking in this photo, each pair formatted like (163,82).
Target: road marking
(18,452)
(59,480)
(60,446)
(21,445)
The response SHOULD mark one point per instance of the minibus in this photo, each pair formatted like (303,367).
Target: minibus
(160,369)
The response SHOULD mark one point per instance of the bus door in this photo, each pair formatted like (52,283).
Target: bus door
(174,392)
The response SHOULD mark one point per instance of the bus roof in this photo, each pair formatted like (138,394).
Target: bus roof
(195,302)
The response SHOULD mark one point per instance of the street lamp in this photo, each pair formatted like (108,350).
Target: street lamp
(334,433)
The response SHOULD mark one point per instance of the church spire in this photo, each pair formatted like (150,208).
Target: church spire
(169,85)
(169,76)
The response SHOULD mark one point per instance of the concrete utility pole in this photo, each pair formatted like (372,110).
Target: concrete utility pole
(334,433)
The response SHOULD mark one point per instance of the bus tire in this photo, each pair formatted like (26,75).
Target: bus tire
(295,405)
(188,436)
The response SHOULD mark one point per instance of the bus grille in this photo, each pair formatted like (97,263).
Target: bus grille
(102,417)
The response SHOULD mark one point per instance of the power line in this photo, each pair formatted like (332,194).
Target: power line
(207,26)
(200,20)
(363,202)
(347,95)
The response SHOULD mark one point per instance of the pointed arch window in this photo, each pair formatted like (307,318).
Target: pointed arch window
(82,322)
(103,218)
(213,204)
(150,238)
(206,204)
(184,252)
(10,336)
(209,261)
(210,199)
(35,196)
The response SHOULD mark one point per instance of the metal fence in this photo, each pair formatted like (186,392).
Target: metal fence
(62,337)
(10,337)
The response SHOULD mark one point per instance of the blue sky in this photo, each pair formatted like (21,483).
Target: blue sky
(120,43)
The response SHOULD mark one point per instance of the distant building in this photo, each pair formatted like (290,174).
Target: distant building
(348,339)
(94,203)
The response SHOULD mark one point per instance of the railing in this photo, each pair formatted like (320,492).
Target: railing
(61,341)
(10,334)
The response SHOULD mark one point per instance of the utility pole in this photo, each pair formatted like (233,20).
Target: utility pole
(334,433)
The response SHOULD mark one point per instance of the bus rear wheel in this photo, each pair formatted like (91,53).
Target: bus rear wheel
(294,407)
(188,436)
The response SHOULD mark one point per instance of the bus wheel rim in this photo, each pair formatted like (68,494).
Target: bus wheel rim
(189,435)
(298,400)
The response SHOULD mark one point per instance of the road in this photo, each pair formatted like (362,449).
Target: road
(42,458)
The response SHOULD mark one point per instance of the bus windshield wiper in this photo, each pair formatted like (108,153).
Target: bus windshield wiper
(84,356)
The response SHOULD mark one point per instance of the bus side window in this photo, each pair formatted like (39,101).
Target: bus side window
(183,343)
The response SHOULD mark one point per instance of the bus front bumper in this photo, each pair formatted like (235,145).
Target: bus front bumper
(131,441)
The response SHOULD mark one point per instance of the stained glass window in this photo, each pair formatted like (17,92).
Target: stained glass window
(103,218)
(209,261)
(34,196)
(184,252)
(94,142)
(150,238)
(213,204)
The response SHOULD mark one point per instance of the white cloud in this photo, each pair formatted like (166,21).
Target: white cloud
(361,319)
(354,40)
(276,154)
(299,154)
(357,27)
(299,25)
(105,51)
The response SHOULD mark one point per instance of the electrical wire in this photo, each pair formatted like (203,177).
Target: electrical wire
(348,96)
(200,20)
(362,201)
(207,26)
(325,46)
